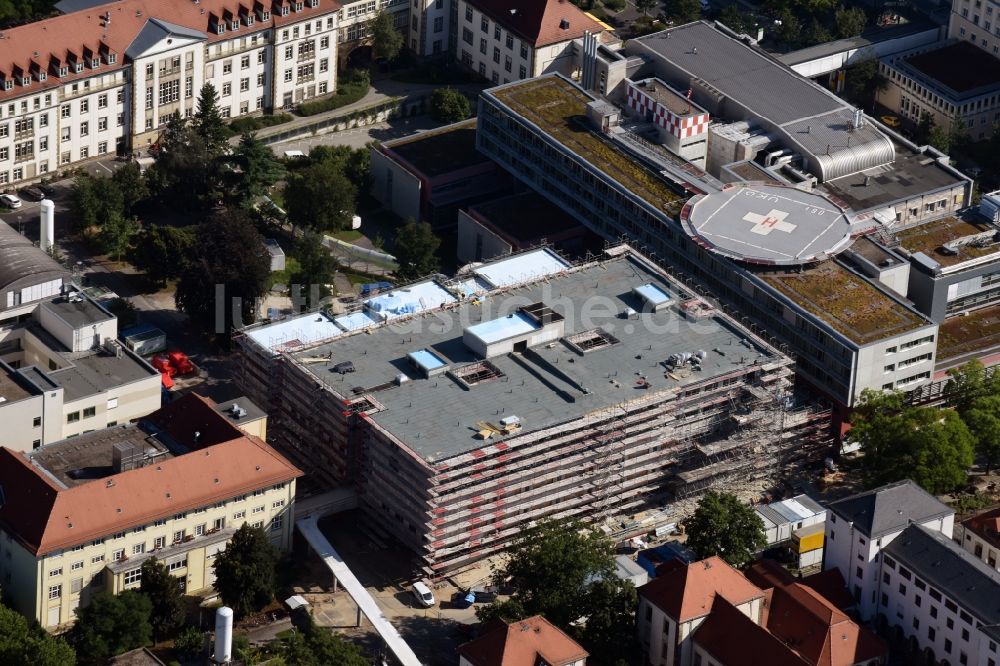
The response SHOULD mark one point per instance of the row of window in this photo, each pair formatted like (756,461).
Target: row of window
(39,74)
(484,26)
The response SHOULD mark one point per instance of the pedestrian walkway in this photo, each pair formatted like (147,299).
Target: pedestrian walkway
(382,91)
(309,528)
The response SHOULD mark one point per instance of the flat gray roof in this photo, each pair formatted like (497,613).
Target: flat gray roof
(551,383)
(253,412)
(811,119)
(768,224)
(91,455)
(97,372)
(909,175)
(740,72)
(77,312)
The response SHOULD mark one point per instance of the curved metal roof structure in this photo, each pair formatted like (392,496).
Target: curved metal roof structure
(736,81)
(23,264)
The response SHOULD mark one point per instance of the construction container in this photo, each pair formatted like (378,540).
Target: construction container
(144,339)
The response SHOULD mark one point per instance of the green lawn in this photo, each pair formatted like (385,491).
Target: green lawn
(348,235)
(285,276)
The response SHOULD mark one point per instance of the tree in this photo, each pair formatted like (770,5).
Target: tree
(850,21)
(449,106)
(208,122)
(387,41)
(317,646)
(320,198)
(259,169)
(683,11)
(816,33)
(230,255)
(244,571)
(115,236)
(564,570)
(645,6)
(316,265)
(191,642)
(164,592)
(790,30)
(26,644)
(969,383)
(415,250)
(132,185)
(94,201)
(123,310)
(733,18)
(932,446)
(187,169)
(162,251)
(611,622)
(553,565)
(863,82)
(939,139)
(983,420)
(354,163)
(110,625)
(723,525)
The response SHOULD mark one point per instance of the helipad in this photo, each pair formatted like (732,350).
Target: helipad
(767,224)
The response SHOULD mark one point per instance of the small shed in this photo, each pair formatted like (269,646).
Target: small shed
(782,518)
(276,253)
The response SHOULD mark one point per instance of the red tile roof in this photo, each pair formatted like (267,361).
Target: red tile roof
(986,526)
(44,44)
(768,573)
(524,643)
(688,592)
(817,630)
(539,22)
(831,586)
(45,517)
(733,639)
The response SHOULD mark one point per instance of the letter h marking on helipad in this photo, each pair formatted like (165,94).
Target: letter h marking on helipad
(765,224)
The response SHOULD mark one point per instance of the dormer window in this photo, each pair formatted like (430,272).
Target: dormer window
(284,10)
(25,80)
(299,5)
(265,15)
(63,70)
(220,28)
(234,25)
(42,75)
(8,84)
(95,63)
(112,58)
(314,3)
(79,67)
(249,19)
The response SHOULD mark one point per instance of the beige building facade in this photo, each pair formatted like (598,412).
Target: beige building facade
(169,493)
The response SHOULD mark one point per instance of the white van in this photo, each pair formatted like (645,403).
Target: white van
(423,593)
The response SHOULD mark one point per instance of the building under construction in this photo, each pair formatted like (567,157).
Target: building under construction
(528,388)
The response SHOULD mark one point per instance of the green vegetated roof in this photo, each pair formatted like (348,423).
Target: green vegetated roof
(961,335)
(560,109)
(928,238)
(848,302)
(441,151)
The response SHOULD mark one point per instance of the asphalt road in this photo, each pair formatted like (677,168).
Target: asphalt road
(360,136)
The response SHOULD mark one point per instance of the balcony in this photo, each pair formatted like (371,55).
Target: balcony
(209,538)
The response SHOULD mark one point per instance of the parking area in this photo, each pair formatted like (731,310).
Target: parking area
(387,572)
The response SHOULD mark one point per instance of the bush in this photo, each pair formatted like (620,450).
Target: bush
(241,125)
(190,642)
(614,5)
(353,86)
(449,106)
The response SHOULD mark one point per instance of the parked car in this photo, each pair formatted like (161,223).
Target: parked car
(32,194)
(10,200)
(422,593)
